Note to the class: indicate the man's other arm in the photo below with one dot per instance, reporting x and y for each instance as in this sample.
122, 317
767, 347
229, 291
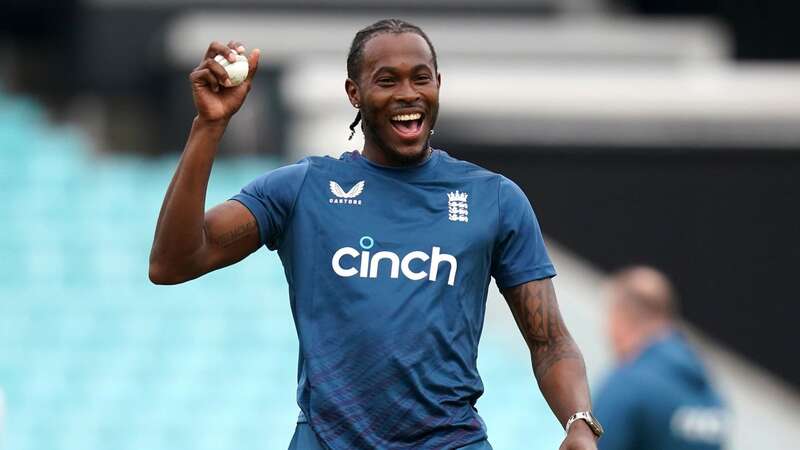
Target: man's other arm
188, 241
556, 359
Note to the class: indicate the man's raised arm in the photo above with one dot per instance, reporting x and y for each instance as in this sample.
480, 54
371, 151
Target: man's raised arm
190, 242
557, 361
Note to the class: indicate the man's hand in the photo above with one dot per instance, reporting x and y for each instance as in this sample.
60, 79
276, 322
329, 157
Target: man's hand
214, 101
580, 437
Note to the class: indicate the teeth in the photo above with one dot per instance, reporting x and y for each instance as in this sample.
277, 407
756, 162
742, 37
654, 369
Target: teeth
405, 117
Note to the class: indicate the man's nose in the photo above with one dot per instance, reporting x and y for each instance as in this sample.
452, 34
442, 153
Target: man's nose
406, 92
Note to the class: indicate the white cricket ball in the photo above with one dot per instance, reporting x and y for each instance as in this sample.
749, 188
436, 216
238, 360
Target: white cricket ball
237, 71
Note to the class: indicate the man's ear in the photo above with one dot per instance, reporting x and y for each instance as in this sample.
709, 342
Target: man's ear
438, 79
351, 88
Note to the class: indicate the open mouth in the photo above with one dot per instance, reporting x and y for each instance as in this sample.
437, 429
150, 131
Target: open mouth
408, 126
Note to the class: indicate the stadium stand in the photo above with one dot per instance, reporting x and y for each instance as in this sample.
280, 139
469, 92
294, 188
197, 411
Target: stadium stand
93, 356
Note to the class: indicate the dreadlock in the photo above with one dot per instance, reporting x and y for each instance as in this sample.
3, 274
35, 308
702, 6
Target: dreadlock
356, 56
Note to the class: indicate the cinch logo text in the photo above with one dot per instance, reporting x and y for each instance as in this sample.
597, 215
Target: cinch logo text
349, 262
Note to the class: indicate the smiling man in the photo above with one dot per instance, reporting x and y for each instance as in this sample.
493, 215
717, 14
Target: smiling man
388, 253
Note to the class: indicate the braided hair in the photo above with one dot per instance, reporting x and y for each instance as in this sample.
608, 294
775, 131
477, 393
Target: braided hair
356, 56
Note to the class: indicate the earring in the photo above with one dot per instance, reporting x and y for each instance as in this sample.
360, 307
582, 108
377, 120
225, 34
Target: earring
357, 106
433, 132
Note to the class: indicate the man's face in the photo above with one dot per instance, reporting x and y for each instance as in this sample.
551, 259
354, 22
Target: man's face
399, 93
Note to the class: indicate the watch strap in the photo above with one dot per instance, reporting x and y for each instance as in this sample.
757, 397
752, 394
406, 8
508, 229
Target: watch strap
590, 420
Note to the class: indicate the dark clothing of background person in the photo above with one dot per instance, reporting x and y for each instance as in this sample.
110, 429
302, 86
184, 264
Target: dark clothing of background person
661, 400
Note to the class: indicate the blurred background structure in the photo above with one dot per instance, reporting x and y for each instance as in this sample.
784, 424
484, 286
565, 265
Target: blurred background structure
644, 131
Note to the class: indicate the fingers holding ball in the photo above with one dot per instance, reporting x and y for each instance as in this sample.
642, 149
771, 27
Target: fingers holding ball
225, 65
236, 71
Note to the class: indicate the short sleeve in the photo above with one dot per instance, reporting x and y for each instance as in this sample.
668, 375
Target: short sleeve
271, 197
519, 253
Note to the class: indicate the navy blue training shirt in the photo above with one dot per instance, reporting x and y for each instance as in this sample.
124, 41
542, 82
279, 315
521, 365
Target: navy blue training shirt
388, 271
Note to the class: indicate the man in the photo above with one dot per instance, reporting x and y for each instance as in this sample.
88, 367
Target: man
388, 253
659, 398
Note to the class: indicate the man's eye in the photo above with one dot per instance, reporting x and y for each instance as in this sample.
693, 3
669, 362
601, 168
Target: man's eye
385, 81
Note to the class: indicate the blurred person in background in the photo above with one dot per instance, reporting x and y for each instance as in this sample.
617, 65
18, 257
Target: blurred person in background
388, 349
659, 397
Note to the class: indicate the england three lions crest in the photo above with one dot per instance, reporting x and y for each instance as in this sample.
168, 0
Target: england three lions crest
457, 208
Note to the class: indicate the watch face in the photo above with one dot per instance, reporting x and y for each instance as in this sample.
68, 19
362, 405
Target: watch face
594, 424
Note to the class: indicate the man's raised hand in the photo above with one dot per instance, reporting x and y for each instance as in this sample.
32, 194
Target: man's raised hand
215, 102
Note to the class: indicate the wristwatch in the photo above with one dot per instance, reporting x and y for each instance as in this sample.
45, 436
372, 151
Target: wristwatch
590, 420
